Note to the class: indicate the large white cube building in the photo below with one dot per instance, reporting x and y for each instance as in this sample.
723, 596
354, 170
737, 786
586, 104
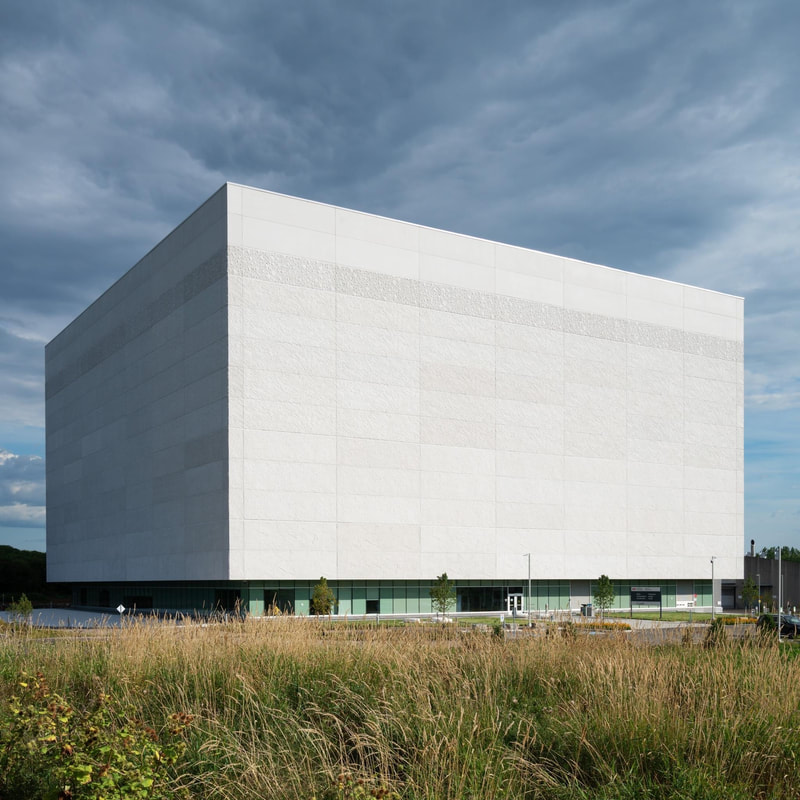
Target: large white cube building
283, 390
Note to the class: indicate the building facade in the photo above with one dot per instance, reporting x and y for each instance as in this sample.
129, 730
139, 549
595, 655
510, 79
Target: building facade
283, 390
775, 583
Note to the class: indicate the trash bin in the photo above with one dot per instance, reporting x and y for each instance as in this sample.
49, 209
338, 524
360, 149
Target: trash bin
586, 609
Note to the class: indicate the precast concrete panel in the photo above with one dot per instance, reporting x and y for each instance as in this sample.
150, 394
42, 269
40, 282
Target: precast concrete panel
481, 400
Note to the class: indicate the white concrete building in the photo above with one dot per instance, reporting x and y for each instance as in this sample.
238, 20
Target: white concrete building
282, 389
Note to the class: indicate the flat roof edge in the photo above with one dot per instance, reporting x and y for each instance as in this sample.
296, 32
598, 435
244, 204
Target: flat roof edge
482, 239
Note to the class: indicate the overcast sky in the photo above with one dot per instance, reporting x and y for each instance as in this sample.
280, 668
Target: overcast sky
661, 138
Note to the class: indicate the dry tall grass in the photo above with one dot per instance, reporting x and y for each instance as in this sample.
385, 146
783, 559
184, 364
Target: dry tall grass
283, 706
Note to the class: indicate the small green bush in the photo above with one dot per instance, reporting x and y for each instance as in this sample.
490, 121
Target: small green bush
350, 788
20, 610
716, 633
50, 750
323, 599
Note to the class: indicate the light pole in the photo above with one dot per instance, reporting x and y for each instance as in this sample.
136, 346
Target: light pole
529, 588
758, 578
780, 594
712, 587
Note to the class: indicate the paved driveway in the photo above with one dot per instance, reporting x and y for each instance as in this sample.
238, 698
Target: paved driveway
68, 618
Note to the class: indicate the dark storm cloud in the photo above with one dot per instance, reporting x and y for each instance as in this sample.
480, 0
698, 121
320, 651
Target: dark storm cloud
655, 137
22, 384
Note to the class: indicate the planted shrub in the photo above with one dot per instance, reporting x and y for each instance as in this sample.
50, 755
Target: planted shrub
49, 749
20, 610
716, 633
322, 599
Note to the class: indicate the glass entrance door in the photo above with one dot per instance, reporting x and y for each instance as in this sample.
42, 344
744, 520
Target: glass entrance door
514, 603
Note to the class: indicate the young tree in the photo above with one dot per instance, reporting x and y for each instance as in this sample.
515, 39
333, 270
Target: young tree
603, 594
443, 594
20, 610
749, 592
322, 599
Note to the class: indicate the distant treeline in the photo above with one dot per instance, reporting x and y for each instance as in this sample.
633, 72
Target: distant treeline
22, 570
25, 571
787, 553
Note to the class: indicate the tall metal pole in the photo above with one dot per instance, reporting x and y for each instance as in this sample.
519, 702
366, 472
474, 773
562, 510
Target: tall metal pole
758, 577
529, 588
780, 593
712, 587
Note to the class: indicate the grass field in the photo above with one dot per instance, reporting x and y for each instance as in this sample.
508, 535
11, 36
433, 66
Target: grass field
297, 708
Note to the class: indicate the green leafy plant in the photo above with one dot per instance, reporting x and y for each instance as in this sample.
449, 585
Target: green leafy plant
715, 633
322, 599
603, 594
49, 749
497, 629
20, 610
749, 592
350, 788
443, 594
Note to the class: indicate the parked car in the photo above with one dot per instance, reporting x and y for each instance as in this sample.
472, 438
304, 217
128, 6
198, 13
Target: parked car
790, 625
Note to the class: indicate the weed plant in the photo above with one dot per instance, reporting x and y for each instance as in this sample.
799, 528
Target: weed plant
283, 708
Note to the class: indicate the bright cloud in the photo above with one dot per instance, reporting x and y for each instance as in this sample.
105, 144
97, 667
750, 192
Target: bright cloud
22, 490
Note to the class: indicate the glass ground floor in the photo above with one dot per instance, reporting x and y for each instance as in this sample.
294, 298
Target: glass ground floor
362, 597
